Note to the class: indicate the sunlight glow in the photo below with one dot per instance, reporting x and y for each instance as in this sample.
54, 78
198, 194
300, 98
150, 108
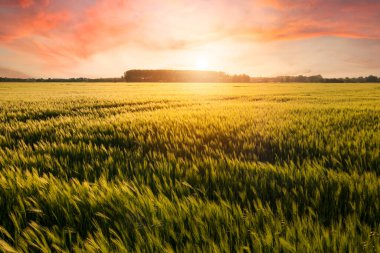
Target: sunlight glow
202, 63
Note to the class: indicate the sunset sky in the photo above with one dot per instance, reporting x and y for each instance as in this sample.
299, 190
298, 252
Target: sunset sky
103, 38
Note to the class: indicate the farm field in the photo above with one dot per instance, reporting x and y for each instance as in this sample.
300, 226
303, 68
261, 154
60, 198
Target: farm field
175, 167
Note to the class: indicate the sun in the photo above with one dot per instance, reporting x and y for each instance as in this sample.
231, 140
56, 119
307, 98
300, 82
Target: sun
201, 63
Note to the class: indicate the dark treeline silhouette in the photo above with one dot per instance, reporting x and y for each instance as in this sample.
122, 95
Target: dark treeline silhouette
199, 76
314, 79
182, 76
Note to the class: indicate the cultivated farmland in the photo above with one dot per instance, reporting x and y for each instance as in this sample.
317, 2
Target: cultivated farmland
173, 167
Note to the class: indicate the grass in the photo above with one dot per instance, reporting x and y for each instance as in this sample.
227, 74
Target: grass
111, 167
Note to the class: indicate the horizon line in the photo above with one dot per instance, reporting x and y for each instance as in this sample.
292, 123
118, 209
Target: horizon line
189, 70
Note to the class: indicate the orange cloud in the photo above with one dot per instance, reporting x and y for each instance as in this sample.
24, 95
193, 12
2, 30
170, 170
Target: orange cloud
65, 31
298, 19
6, 72
24, 18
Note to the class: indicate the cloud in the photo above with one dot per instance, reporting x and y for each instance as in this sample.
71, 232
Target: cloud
71, 30
6, 72
66, 32
24, 18
298, 19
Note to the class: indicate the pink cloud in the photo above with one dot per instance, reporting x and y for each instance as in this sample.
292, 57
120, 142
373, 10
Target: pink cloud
23, 3
105, 25
66, 31
298, 19
25, 18
6, 72
26, 3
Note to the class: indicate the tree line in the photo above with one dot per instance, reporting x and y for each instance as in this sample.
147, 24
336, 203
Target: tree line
199, 76
315, 79
182, 76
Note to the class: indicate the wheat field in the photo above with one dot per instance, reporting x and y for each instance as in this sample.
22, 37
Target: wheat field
175, 167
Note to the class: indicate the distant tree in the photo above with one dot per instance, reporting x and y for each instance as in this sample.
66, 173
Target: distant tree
372, 79
240, 78
315, 79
